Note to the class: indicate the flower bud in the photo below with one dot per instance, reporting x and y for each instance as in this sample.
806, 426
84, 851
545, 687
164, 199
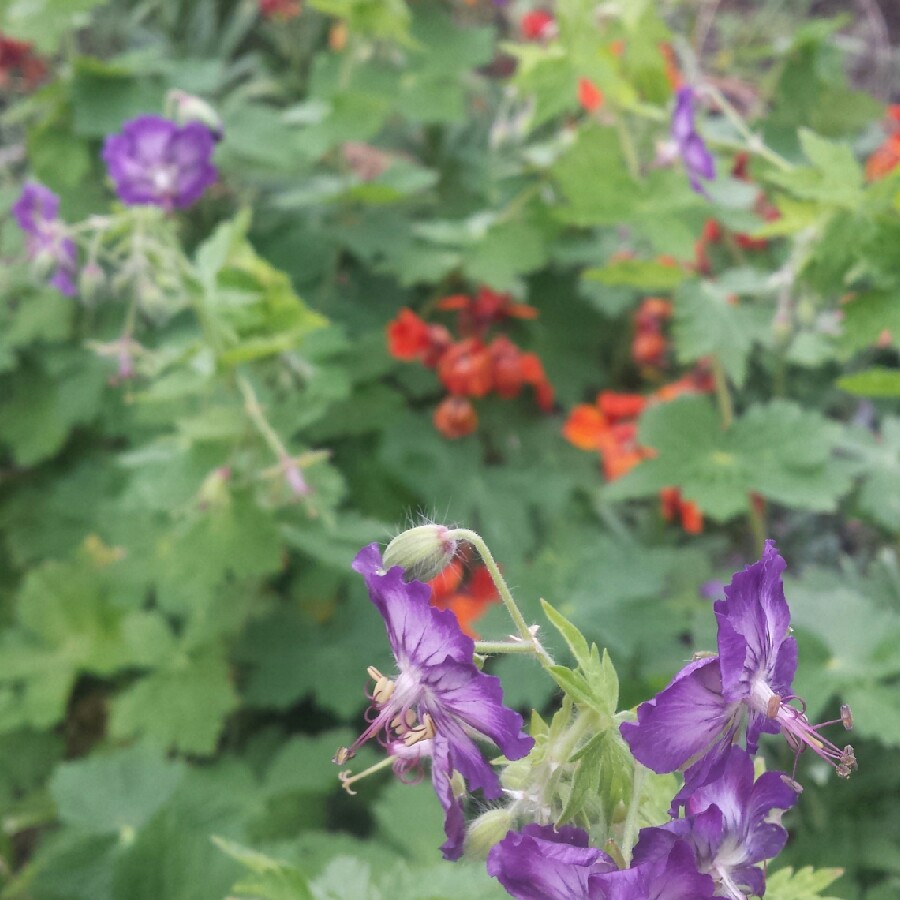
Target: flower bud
90, 281
186, 108
424, 551
486, 831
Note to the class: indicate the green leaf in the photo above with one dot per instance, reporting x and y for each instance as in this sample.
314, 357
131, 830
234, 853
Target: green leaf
879, 463
804, 884
42, 21
182, 706
708, 322
272, 879
778, 450
573, 637
40, 405
115, 792
866, 317
105, 95
834, 177
644, 275
877, 381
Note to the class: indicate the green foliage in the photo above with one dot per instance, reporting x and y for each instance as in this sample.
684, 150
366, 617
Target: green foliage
778, 451
182, 643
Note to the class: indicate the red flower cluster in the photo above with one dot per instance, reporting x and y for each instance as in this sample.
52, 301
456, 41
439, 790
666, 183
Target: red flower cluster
538, 25
610, 427
471, 366
279, 10
18, 60
466, 595
649, 347
886, 158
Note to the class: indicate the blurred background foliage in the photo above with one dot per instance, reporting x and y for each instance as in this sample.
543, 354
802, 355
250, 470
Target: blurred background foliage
183, 646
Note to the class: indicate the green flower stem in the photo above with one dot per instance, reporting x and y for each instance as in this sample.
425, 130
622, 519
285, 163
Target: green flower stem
626, 142
755, 144
629, 837
487, 648
757, 521
723, 396
255, 411
475, 540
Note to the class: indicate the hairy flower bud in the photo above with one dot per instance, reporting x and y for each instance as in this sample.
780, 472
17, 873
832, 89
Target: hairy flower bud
184, 107
91, 281
486, 831
423, 551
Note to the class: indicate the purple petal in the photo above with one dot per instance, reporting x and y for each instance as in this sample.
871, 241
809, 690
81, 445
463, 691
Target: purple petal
418, 632
36, 206
683, 721
155, 161
672, 877
683, 115
477, 699
756, 609
454, 820
539, 863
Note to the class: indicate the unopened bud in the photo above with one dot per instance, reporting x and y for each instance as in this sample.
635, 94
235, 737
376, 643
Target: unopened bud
214, 490
185, 107
90, 281
486, 831
424, 551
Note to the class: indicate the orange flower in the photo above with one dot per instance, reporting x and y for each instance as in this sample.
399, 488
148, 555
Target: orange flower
589, 95
885, 159
447, 580
469, 602
673, 75
408, 336
465, 368
455, 417
586, 427
616, 406
673, 505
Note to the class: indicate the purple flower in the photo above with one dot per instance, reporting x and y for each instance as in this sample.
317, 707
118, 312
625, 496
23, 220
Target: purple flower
540, 863
729, 825
438, 699
37, 214
694, 154
746, 688
155, 161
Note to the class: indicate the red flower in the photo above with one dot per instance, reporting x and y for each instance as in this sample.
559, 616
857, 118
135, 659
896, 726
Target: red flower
455, 417
538, 25
465, 368
408, 336
589, 95
19, 58
506, 361
280, 10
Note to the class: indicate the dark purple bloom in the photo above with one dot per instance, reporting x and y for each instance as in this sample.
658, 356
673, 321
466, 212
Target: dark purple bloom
37, 214
541, 863
438, 699
697, 159
728, 825
745, 689
157, 162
